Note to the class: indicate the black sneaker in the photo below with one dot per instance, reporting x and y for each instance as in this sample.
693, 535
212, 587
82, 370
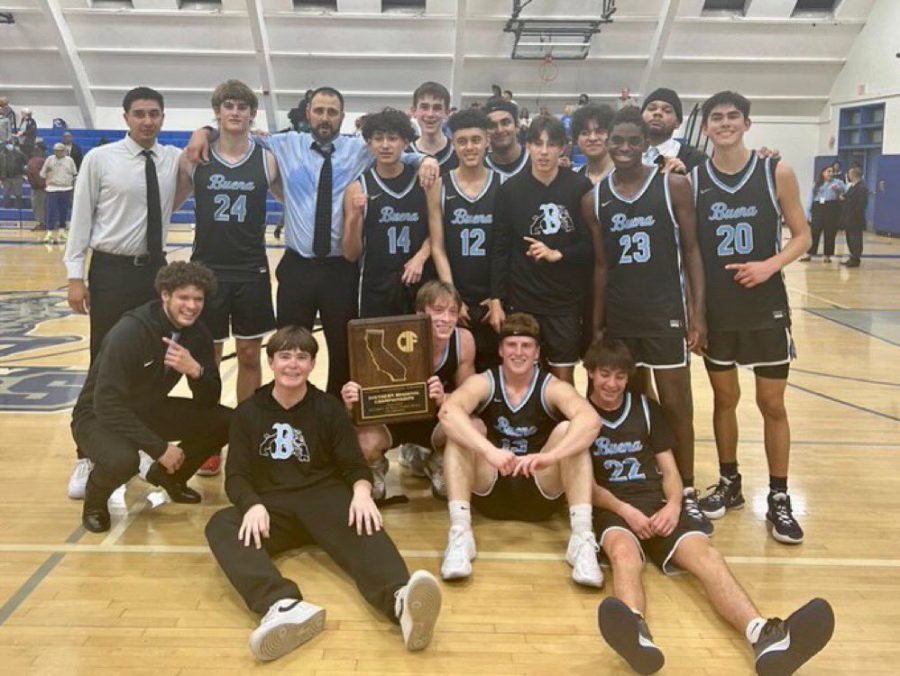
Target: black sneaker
786, 645
784, 526
724, 496
626, 632
690, 505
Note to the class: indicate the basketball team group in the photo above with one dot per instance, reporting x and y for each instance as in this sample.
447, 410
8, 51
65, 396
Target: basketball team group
525, 267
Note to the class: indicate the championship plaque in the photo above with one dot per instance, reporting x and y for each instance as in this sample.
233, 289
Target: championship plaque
390, 358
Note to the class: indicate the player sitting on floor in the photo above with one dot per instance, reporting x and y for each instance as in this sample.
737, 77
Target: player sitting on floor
534, 450
638, 493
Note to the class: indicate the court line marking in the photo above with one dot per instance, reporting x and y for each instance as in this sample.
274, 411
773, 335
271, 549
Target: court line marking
850, 326
848, 404
530, 557
38, 576
834, 304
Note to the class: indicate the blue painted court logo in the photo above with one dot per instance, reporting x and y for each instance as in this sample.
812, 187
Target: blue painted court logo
34, 388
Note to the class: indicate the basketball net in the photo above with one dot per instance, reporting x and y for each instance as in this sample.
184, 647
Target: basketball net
548, 70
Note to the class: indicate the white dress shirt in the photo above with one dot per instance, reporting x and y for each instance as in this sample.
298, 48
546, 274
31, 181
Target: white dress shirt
109, 213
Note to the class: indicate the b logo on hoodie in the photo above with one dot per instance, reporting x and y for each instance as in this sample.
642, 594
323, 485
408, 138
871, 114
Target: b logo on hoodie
283, 442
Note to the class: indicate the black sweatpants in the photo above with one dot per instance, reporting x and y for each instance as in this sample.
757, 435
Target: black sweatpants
315, 515
825, 219
202, 430
328, 286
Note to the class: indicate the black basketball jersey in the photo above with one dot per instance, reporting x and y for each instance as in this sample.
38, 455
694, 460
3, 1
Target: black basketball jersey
446, 370
230, 210
624, 453
525, 428
394, 227
739, 220
468, 235
645, 283
446, 156
510, 169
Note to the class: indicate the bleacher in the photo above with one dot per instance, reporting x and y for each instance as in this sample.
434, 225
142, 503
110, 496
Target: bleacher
88, 139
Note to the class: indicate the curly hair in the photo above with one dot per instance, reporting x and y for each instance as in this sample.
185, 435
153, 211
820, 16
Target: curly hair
388, 121
181, 274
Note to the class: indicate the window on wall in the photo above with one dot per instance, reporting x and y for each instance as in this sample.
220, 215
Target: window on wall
814, 7
112, 4
387, 5
316, 4
200, 4
861, 127
714, 7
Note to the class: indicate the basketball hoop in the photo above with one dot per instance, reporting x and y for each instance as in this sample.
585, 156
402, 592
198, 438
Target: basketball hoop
548, 70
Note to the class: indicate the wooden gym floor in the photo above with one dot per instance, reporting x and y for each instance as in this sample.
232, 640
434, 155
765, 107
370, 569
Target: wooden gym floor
147, 597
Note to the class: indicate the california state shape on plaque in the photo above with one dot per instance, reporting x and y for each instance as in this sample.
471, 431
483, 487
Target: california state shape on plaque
390, 358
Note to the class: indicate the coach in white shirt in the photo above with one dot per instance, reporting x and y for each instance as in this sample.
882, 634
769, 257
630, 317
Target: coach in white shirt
124, 199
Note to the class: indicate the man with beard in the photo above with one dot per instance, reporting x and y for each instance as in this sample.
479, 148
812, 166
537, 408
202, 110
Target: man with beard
663, 114
507, 157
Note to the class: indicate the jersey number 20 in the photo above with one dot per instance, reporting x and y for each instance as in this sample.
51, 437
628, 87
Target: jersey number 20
735, 238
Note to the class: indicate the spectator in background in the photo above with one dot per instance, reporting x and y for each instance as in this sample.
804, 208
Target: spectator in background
5, 130
524, 123
824, 213
496, 92
38, 186
8, 114
853, 216
27, 133
59, 171
583, 100
508, 96
12, 168
73, 150
838, 172
625, 99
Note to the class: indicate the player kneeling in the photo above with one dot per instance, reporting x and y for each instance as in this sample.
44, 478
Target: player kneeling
535, 450
296, 477
638, 489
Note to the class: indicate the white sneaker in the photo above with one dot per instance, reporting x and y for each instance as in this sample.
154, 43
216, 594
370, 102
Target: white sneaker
288, 624
457, 563
379, 477
434, 470
581, 554
417, 606
78, 479
412, 458
117, 499
144, 465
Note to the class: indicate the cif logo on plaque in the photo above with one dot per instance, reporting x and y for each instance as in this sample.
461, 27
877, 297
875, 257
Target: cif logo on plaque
390, 359
406, 341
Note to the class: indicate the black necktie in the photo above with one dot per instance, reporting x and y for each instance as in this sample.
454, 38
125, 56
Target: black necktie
322, 235
154, 210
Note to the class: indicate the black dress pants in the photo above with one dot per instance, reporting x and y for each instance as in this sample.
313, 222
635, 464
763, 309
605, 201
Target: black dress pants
825, 220
202, 430
314, 515
855, 244
328, 286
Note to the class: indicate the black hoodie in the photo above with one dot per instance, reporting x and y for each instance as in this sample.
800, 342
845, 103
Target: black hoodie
272, 449
128, 375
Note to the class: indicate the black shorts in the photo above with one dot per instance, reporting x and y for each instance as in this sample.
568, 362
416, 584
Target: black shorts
658, 352
486, 339
560, 338
246, 306
385, 298
517, 498
767, 351
659, 550
416, 432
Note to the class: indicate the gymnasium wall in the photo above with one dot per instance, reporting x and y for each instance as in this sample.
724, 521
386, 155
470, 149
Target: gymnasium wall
870, 75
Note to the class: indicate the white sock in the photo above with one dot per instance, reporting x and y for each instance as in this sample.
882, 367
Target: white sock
460, 514
754, 629
581, 519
